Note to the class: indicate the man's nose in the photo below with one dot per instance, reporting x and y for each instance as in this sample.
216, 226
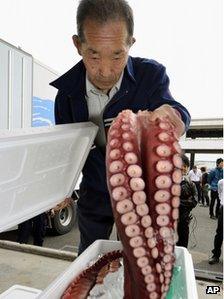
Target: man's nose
105, 68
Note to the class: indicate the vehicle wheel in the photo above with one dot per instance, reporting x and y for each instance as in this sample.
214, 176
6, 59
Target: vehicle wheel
64, 220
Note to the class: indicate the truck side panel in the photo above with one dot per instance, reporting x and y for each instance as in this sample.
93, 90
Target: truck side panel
15, 87
43, 95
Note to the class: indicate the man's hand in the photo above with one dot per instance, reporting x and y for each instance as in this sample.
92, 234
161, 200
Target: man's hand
167, 113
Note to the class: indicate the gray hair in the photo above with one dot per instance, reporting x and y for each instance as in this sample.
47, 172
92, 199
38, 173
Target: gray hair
102, 11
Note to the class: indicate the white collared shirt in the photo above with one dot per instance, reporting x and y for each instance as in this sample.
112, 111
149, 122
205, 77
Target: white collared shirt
195, 177
96, 102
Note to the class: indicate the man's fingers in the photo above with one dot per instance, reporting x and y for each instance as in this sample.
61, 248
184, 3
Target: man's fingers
167, 113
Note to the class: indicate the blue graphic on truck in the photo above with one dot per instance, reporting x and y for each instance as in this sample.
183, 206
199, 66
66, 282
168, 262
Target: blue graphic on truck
42, 112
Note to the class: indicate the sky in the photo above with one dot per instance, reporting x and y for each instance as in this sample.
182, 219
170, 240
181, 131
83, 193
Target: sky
183, 35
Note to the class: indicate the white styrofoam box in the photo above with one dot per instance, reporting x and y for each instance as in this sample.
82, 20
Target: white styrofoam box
58, 286
20, 292
39, 168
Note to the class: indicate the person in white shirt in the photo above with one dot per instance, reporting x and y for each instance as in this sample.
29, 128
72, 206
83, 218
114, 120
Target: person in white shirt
219, 231
195, 176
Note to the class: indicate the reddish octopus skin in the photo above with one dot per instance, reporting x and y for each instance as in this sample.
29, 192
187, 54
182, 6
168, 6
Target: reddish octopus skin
152, 242
152, 172
85, 281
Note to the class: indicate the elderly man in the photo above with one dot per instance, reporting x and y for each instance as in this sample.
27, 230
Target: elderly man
106, 81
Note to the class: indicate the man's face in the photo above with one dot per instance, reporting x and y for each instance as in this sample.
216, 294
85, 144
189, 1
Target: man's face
184, 169
104, 51
220, 165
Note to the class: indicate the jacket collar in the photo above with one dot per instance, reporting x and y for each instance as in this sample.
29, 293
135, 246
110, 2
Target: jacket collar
71, 81
130, 69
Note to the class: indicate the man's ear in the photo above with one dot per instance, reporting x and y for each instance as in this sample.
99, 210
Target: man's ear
133, 40
77, 43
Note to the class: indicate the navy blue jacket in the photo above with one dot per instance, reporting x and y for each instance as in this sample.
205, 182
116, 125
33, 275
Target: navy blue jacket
145, 85
214, 176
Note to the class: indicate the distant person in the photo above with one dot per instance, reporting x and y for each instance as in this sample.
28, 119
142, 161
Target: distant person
219, 231
204, 187
214, 176
195, 177
37, 226
188, 201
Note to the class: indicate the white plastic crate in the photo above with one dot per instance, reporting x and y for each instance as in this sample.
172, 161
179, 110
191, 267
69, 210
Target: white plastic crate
57, 287
20, 292
39, 168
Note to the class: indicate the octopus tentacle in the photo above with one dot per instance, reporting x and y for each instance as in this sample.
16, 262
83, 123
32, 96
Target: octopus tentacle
143, 175
145, 201
84, 282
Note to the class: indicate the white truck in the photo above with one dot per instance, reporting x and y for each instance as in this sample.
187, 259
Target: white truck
27, 99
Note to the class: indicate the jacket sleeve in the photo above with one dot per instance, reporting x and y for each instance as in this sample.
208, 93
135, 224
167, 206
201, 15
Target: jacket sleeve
161, 95
62, 109
194, 191
210, 176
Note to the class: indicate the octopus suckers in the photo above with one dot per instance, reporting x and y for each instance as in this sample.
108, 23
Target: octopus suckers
144, 176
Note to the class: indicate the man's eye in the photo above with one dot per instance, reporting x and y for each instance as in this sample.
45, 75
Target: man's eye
116, 58
94, 57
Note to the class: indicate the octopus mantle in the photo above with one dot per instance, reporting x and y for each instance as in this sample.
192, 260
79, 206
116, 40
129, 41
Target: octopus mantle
143, 175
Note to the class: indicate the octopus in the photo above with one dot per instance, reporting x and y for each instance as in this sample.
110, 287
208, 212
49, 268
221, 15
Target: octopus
143, 161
